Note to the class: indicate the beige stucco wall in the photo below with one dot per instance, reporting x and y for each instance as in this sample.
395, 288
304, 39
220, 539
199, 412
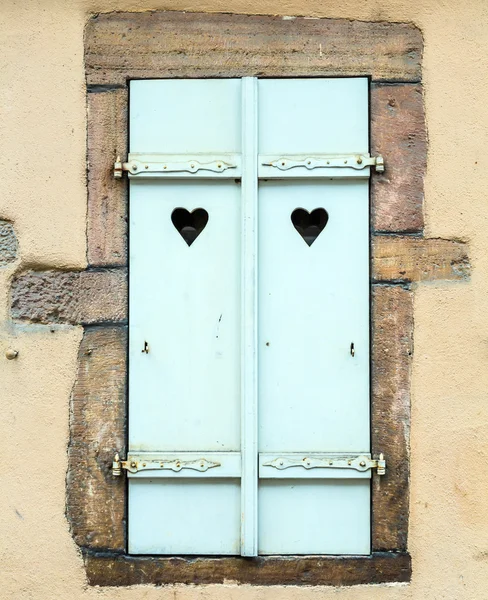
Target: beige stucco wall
42, 150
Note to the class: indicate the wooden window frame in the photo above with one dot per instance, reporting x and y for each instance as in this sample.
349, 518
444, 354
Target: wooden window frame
123, 46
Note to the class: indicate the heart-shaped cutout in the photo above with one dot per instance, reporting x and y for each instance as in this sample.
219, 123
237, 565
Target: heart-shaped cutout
189, 224
309, 224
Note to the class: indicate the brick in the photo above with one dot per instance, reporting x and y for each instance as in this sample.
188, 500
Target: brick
70, 296
103, 569
107, 196
122, 46
408, 259
398, 133
8, 243
95, 500
392, 348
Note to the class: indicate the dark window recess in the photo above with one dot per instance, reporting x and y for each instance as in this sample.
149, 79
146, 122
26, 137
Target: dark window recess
309, 224
189, 224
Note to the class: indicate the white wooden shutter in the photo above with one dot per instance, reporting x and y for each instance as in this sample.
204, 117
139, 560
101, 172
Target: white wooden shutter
313, 304
249, 333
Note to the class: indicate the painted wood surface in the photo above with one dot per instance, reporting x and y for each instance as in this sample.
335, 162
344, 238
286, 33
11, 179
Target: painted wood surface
252, 324
185, 323
313, 317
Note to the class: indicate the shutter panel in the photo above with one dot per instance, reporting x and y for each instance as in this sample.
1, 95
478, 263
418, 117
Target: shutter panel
313, 304
248, 317
184, 394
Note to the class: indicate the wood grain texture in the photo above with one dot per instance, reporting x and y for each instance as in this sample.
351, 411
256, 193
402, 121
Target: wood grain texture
95, 500
76, 297
106, 569
392, 349
398, 133
406, 259
122, 46
107, 196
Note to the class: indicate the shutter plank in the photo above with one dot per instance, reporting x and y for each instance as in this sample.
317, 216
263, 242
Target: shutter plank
184, 321
313, 311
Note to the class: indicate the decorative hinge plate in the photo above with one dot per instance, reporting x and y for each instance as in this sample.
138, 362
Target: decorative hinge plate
140, 165
355, 161
361, 463
147, 165
135, 464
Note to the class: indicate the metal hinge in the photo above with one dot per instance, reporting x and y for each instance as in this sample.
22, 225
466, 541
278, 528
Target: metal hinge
140, 165
146, 164
135, 464
358, 463
353, 161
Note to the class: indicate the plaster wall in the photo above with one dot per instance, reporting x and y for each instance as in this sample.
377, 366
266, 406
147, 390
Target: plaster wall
42, 149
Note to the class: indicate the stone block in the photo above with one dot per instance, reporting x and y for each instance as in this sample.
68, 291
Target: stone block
107, 196
122, 46
75, 297
95, 499
398, 133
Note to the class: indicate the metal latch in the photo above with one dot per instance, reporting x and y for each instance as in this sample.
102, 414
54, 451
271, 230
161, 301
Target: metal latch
354, 161
358, 463
135, 464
